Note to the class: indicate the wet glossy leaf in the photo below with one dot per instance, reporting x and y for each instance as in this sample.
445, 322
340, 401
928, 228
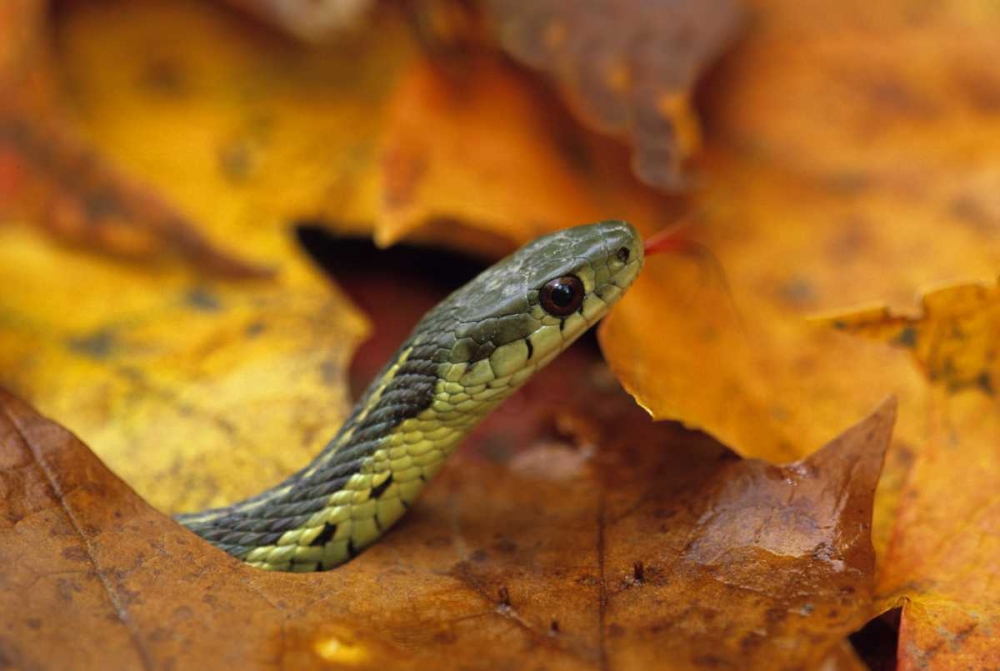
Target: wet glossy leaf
850, 157
798, 234
838, 189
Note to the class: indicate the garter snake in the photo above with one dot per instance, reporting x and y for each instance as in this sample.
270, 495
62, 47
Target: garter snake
463, 358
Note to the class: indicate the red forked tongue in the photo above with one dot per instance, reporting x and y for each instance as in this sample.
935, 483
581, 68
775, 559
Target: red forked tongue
669, 239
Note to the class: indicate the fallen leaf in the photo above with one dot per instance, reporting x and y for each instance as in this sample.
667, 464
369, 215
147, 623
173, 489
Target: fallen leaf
534, 171
852, 157
941, 562
626, 68
954, 338
309, 20
393, 162
655, 562
50, 178
245, 130
221, 386
799, 234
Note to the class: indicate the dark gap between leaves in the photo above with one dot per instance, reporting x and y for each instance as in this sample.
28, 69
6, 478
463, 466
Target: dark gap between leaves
877, 642
394, 287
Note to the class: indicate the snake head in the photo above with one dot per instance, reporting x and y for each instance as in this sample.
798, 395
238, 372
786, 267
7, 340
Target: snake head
520, 313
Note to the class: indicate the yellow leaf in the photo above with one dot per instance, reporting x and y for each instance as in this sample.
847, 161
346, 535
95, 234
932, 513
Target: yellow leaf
954, 339
215, 387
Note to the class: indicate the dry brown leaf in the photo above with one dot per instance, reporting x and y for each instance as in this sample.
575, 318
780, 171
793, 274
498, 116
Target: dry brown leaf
666, 543
626, 67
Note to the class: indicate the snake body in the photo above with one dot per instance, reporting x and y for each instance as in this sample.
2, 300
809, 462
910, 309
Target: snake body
463, 358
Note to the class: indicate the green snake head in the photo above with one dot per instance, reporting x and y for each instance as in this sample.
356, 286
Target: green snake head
463, 359
518, 314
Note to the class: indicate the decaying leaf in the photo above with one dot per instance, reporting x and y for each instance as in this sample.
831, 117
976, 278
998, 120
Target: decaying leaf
243, 129
799, 234
942, 558
851, 156
838, 189
52, 179
626, 67
666, 541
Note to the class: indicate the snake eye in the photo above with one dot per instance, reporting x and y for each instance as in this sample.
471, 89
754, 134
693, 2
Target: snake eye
623, 254
562, 296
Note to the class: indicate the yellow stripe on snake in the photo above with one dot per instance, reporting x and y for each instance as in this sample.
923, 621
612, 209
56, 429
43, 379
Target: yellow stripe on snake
464, 357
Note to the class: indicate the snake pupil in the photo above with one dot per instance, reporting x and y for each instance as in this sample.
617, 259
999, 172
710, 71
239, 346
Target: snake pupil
562, 296
623, 254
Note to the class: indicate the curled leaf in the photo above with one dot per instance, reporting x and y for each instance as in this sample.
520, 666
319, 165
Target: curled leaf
627, 67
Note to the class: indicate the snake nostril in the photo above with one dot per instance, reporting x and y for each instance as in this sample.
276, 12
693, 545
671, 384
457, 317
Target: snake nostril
623, 254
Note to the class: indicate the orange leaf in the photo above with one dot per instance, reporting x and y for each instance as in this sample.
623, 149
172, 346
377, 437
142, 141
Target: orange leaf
942, 557
495, 151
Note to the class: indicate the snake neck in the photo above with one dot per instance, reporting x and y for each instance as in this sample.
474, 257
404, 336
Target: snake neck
465, 357
395, 440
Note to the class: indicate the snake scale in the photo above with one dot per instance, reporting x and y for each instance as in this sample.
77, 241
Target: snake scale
463, 358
